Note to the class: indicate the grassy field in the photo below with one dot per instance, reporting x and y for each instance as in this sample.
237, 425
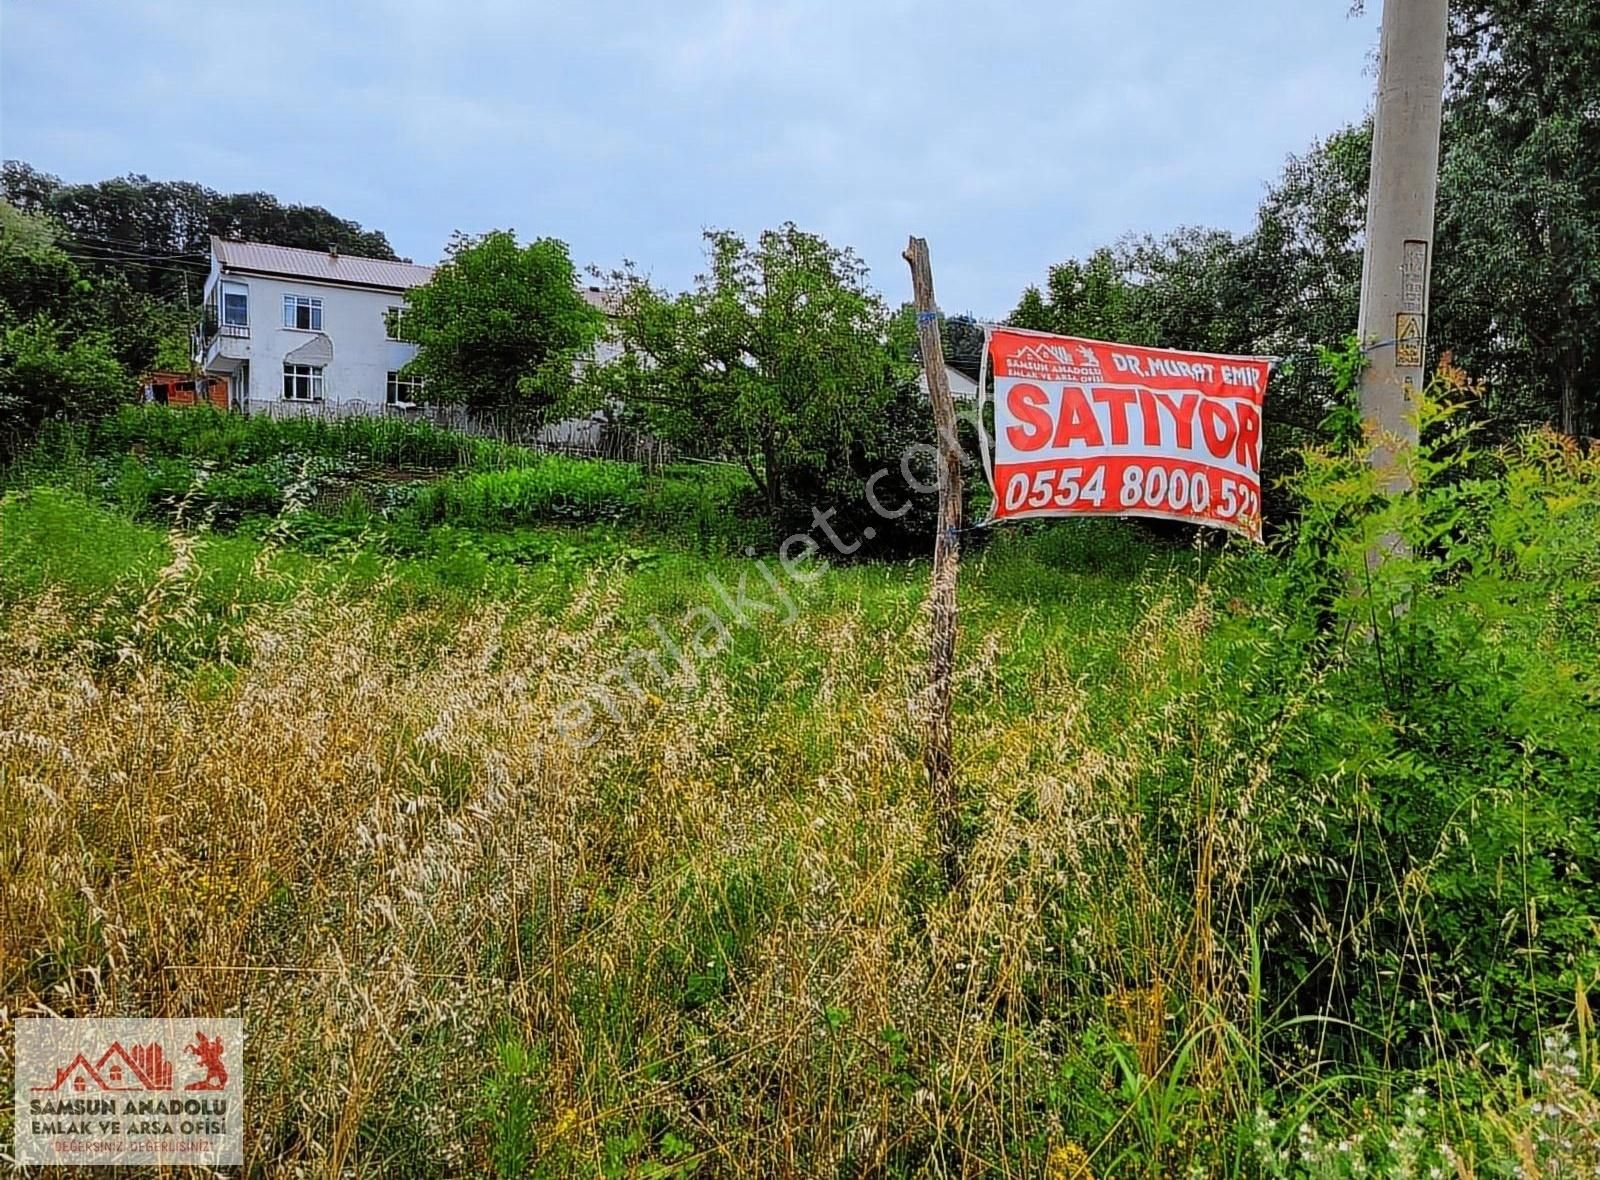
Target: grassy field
1264, 876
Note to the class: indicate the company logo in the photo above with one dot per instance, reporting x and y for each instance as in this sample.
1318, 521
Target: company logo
1051, 361
209, 1054
129, 1092
143, 1067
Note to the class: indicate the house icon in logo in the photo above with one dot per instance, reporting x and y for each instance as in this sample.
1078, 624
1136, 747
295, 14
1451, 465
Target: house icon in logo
1052, 361
143, 1067
1044, 354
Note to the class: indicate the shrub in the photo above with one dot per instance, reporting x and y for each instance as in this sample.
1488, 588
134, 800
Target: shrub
552, 489
45, 376
716, 507
230, 497
204, 432
149, 489
1456, 782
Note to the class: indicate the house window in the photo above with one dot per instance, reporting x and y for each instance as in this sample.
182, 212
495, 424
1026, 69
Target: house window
391, 322
302, 383
302, 311
403, 391
235, 305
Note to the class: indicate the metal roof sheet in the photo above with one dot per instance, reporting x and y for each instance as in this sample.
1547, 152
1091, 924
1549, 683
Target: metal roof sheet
596, 297
321, 265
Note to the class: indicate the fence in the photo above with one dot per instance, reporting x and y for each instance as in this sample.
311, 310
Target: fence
591, 438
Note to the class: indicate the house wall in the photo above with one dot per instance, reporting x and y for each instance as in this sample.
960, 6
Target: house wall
352, 346
183, 389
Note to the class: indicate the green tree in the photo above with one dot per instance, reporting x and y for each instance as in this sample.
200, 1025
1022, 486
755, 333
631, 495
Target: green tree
1090, 299
39, 278
1300, 273
1031, 312
779, 358
140, 326
47, 373
962, 336
1186, 290
156, 234
36, 276
1517, 273
501, 325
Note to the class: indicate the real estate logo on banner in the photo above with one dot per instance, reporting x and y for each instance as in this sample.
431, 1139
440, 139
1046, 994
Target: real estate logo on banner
1083, 427
133, 1092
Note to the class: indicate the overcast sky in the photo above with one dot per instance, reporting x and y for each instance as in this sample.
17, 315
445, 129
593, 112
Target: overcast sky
625, 128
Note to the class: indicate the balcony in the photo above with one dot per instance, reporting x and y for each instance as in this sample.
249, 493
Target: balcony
215, 342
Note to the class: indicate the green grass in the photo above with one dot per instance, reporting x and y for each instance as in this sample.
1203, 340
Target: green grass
62, 542
204, 468
207, 434
1271, 867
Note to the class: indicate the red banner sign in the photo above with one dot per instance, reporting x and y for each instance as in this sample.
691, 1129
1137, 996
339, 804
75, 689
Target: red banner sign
1083, 427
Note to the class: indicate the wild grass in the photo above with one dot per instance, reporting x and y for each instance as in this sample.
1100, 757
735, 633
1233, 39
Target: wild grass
203, 433
201, 468
1233, 868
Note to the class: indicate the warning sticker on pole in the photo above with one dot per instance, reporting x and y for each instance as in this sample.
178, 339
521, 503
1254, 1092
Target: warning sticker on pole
1408, 340
1087, 428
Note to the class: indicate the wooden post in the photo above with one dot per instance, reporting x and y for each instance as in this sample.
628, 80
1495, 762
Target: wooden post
937, 755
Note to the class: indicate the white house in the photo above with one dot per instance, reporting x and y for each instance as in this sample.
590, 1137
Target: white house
962, 387
295, 329
292, 330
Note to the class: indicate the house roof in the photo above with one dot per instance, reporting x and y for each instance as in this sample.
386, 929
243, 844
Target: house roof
962, 387
66, 1071
599, 299
324, 267
320, 265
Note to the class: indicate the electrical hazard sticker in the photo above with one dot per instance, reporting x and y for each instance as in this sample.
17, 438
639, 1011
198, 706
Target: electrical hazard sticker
1408, 340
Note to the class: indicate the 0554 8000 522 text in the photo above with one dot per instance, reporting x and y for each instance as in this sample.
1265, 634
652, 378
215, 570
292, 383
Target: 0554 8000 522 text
1114, 485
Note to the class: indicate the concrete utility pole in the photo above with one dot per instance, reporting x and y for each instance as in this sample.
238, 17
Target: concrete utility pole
1400, 200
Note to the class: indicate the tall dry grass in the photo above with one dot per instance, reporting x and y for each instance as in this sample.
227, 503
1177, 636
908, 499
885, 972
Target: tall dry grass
714, 943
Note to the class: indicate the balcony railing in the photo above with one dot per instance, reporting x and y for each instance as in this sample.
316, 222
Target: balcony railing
209, 331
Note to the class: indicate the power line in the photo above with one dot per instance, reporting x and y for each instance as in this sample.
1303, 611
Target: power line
131, 248
100, 237
108, 253
159, 264
155, 266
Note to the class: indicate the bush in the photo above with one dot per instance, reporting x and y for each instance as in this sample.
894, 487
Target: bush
198, 493
1456, 782
899, 443
150, 489
231, 497
552, 489
204, 432
714, 506
44, 376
